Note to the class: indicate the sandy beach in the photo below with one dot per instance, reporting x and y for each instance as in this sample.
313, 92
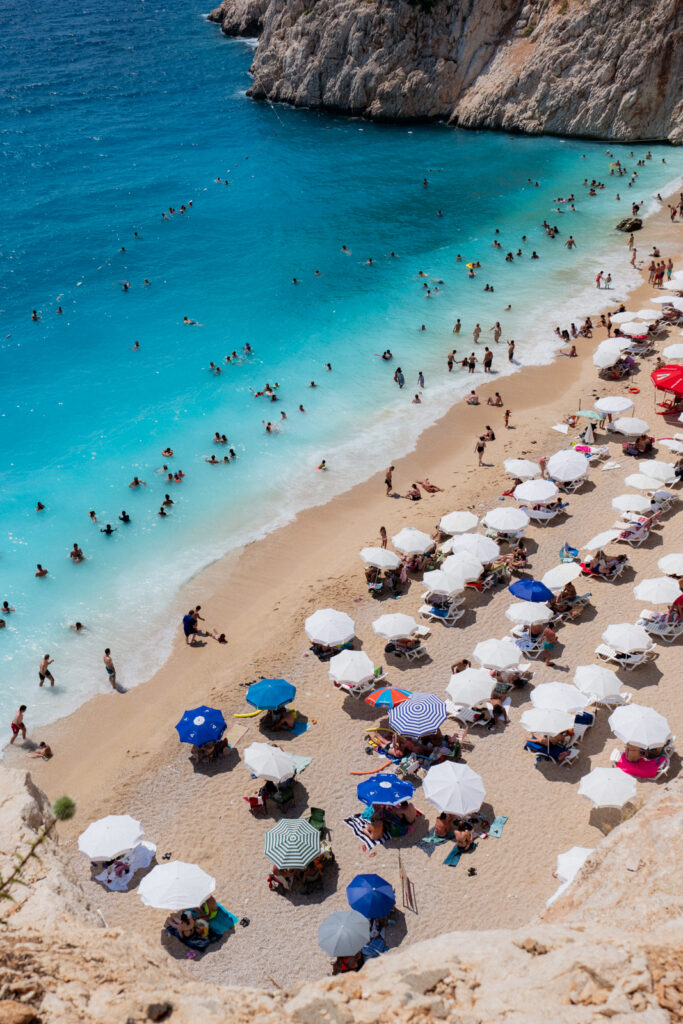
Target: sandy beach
120, 753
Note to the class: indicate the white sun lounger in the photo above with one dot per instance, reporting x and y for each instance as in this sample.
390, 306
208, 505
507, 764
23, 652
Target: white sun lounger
661, 629
453, 614
625, 661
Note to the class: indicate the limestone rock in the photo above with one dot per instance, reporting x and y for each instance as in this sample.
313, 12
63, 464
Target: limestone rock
570, 67
629, 224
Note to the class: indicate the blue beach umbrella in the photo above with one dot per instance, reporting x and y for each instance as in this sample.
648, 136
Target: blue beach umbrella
371, 896
422, 715
269, 694
384, 789
531, 590
201, 726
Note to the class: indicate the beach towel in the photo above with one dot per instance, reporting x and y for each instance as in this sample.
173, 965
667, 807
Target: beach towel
301, 763
454, 856
299, 727
235, 734
496, 826
375, 947
355, 823
430, 842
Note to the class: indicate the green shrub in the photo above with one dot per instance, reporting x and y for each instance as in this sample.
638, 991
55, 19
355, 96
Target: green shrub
64, 808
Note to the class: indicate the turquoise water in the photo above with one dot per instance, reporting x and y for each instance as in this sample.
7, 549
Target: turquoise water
114, 113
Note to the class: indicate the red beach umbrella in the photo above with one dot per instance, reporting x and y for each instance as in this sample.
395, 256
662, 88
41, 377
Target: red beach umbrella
388, 697
668, 378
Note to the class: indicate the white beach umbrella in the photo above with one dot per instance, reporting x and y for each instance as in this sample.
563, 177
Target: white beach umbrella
642, 482
673, 286
463, 566
380, 558
439, 582
522, 469
607, 787
546, 721
483, 548
410, 541
271, 763
395, 626
470, 686
597, 681
672, 444
622, 318
176, 886
343, 933
109, 837
497, 654
601, 539
329, 627
506, 520
645, 314
559, 697
674, 351
567, 465
665, 472
627, 638
661, 590
351, 667
557, 577
630, 425
662, 300
607, 353
631, 503
529, 613
454, 788
634, 329
571, 861
640, 725
458, 522
536, 492
614, 404
671, 564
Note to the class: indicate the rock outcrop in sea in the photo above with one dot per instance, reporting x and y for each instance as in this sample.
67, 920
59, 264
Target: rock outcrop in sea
569, 67
609, 949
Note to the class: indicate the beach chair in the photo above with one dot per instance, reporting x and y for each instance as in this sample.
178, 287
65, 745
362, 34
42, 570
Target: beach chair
567, 553
357, 690
610, 703
634, 535
570, 486
449, 616
530, 646
582, 723
611, 576
576, 606
545, 516
462, 713
317, 819
664, 500
416, 653
625, 661
375, 589
284, 798
257, 804
660, 629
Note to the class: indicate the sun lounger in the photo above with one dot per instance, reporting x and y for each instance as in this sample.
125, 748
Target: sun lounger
664, 500
449, 616
582, 723
543, 754
544, 516
625, 661
462, 713
357, 690
571, 486
634, 534
611, 576
530, 646
611, 702
661, 629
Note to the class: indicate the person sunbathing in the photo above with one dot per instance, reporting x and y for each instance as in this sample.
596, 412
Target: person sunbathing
460, 666
344, 964
184, 923
429, 487
463, 835
407, 643
562, 601
281, 719
556, 747
407, 812
443, 826
374, 828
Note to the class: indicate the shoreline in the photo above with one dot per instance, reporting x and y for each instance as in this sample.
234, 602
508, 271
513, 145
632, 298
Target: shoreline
120, 753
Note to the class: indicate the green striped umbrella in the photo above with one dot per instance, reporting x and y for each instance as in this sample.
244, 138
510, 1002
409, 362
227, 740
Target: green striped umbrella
293, 843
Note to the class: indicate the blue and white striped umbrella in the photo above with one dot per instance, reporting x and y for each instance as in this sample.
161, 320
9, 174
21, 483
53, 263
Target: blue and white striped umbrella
422, 715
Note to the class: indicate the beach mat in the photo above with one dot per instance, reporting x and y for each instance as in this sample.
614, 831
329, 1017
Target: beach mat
430, 842
355, 823
299, 727
453, 858
496, 826
235, 734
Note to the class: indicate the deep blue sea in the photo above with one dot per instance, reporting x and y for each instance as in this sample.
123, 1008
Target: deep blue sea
110, 114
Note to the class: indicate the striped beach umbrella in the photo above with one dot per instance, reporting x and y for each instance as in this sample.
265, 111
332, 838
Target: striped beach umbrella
293, 843
387, 697
422, 715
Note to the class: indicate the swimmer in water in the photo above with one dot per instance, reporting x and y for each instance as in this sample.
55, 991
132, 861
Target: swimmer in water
168, 500
76, 553
162, 512
135, 347
323, 465
40, 507
77, 627
301, 409
124, 517
40, 572
313, 384
136, 482
109, 529
35, 315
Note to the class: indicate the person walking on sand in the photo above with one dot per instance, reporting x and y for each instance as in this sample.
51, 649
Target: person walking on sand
17, 724
634, 253
189, 626
110, 667
388, 476
549, 637
480, 448
506, 419
44, 670
383, 536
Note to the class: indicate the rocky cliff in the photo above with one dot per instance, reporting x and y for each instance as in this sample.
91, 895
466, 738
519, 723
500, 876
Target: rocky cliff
571, 67
610, 949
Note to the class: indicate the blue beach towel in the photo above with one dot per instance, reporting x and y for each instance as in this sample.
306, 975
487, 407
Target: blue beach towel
299, 727
497, 826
